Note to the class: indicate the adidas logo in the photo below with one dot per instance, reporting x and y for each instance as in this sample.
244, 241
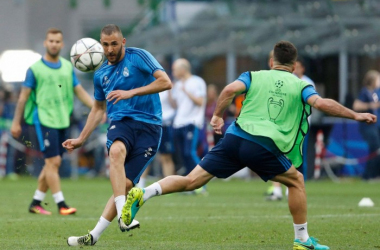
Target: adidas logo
301, 229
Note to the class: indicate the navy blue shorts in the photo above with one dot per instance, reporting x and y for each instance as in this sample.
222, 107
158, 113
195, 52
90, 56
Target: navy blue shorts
232, 153
141, 140
167, 142
50, 140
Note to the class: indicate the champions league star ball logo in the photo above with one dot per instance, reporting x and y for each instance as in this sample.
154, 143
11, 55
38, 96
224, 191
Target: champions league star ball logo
279, 84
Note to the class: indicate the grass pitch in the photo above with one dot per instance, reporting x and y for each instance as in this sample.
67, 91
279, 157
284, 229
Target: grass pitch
233, 216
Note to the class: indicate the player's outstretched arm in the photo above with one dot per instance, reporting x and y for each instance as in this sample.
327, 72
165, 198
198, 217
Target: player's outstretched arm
333, 108
224, 100
83, 96
161, 83
16, 123
93, 120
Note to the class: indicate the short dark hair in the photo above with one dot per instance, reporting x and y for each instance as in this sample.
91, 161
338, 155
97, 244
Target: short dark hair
285, 53
109, 29
53, 31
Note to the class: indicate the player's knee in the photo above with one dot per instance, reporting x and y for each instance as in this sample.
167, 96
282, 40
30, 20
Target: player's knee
298, 180
53, 163
117, 151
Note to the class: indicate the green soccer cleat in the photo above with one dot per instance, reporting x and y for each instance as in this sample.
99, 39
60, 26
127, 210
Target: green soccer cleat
132, 205
311, 243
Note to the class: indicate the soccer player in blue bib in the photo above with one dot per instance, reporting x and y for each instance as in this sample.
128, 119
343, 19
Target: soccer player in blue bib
127, 85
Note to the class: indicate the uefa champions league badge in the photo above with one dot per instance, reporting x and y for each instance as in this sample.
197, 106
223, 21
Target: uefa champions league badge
125, 72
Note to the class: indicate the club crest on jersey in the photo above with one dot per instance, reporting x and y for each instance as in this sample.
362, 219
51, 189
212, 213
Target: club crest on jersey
106, 80
125, 72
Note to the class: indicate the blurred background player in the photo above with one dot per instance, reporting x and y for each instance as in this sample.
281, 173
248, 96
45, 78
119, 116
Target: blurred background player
189, 100
47, 98
126, 85
368, 101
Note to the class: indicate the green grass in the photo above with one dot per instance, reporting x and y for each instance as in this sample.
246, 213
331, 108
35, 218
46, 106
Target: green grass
233, 216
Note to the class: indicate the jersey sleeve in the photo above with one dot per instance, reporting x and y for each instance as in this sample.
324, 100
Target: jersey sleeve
144, 61
75, 80
98, 90
308, 92
30, 80
246, 79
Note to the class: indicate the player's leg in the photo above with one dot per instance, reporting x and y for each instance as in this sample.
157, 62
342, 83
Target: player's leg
51, 172
117, 156
171, 184
270, 164
39, 195
297, 195
294, 180
218, 162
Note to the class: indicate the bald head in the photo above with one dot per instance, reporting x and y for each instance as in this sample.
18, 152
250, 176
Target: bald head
181, 68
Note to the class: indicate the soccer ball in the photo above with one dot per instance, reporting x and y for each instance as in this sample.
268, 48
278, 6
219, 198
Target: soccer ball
87, 54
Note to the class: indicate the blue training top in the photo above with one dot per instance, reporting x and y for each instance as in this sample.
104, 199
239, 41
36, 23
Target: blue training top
30, 80
135, 70
236, 130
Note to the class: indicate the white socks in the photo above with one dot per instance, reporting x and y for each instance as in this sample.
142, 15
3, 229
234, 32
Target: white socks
119, 203
152, 190
39, 195
300, 232
99, 228
58, 197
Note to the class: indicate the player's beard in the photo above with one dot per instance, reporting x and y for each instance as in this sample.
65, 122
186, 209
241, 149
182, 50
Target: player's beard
53, 55
117, 56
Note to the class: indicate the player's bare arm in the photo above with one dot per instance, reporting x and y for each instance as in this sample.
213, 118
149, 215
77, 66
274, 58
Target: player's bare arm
161, 83
93, 120
83, 96
224, 100
16, 123
333, 108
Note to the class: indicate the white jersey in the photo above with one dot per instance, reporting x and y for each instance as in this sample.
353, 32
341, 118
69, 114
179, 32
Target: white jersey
187, 111
168, 111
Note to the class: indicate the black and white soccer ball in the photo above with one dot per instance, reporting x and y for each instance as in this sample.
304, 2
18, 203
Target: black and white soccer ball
87, 55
